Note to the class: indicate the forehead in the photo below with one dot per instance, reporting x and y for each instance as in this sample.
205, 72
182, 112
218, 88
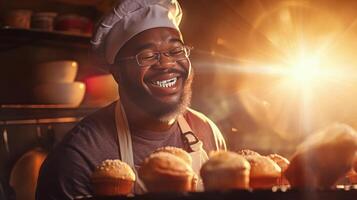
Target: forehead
156, 34
154, 37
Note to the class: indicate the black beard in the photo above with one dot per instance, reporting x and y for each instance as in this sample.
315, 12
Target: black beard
156, 109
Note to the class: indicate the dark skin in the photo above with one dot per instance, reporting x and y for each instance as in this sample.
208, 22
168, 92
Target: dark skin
143, 100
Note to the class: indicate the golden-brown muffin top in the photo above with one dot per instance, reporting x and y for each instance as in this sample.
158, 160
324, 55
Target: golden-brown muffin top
161, 164
323, 157
280, 160
263, 167
177, 152
225, 160
114, 169
333, 135
247, 152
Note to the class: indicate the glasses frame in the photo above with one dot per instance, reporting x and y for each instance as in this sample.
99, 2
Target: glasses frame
187, 48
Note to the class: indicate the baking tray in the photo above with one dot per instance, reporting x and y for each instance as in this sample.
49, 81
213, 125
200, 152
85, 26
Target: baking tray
344, 193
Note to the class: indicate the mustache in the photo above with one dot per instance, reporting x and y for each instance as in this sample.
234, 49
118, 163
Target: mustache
173, 70
177, 71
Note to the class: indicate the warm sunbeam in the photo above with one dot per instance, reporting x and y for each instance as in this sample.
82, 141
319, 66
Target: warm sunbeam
305, 71
308, 48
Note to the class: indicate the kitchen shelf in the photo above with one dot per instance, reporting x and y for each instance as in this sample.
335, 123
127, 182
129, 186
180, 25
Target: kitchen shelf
11, 38
9, 114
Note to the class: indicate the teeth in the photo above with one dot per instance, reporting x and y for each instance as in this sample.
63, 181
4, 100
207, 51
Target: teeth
166, 83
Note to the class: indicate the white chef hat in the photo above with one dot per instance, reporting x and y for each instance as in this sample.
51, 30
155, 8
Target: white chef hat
129, 18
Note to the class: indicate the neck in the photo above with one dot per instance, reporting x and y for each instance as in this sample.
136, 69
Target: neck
139, 119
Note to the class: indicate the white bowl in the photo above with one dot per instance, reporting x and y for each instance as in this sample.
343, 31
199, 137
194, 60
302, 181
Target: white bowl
101, 90
70, 94
62, 71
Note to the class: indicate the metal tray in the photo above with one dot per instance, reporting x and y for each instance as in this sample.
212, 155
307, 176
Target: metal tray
344, 193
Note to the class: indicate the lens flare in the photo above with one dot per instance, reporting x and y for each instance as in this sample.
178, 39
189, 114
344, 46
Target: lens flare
307, 49
305, 70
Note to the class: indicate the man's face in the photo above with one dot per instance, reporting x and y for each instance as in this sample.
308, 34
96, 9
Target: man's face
163, 89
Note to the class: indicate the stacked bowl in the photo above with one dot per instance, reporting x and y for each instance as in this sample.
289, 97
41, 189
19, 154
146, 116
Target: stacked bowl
55, 83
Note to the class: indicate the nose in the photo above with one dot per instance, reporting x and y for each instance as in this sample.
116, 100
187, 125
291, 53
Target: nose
165, 61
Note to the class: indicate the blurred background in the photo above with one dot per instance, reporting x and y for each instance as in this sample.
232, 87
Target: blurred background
268, 72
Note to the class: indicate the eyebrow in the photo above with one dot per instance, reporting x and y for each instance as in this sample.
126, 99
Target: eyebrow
151, 45
176, 40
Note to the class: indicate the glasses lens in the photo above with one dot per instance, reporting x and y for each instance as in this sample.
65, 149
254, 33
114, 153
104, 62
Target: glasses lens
179, 53
151, 58
147, 58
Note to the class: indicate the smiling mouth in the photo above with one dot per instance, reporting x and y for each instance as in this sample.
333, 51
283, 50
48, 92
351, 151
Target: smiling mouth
165, 83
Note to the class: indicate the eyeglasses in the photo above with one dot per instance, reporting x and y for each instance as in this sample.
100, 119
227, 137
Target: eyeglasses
148, 58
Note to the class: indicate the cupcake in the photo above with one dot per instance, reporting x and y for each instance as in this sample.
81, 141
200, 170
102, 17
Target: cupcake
112, 178
283, 164
165, 172
224, 171
264, 172
323, 158
177, 152
248, 152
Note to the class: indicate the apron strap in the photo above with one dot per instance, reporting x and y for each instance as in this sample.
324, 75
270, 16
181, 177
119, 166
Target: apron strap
124, 136
198, 154
126, 145
189, 138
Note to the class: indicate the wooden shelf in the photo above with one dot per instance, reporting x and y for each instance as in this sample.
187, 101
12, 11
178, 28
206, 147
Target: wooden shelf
15, 37
80, 2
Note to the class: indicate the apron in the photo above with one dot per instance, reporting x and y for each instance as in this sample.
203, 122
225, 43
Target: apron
198, 154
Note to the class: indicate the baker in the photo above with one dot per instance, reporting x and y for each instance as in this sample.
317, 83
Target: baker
144, 50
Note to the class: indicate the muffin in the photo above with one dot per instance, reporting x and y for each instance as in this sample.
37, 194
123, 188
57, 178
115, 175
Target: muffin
177, 152
113, 177
283, 164
224, 171
248, 152
165, 172
323, 158
264, 172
